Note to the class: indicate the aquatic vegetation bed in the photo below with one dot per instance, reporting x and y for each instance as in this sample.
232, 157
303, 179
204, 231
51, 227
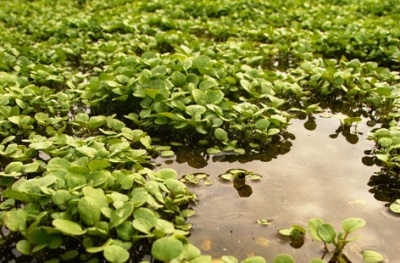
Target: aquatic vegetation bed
92, 91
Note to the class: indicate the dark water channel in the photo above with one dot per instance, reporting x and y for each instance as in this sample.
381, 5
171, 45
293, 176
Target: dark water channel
322, 175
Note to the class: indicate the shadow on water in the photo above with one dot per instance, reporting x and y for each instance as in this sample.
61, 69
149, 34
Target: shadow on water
385, 185
197, 157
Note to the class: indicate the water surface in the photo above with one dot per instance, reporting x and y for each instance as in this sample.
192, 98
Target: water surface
321, 176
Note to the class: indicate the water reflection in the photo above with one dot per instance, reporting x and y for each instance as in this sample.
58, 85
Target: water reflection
197, 157
348, 131
243, 189
385, 185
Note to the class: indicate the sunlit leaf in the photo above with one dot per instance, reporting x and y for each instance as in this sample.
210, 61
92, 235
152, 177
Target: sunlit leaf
371, 256
116, 254
313, 225
352, 224
283, 259
166, 248
326, 232
68, 227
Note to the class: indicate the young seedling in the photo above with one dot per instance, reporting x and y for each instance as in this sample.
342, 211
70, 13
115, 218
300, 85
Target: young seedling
296, 234
321, 231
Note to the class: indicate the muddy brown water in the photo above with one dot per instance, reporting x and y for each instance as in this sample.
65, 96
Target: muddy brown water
321, 176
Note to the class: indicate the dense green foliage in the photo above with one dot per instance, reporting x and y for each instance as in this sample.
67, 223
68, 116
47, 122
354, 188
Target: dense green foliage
91, 90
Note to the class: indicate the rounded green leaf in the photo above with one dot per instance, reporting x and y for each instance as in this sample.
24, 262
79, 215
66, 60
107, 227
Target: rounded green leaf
256, 259
178, 79
142, 225
327, 233
371, 256
352, 224
214, 96
285, 231
229, 259
194, 110
190, 251
13, 167
166, 248
227, 176
24, 247
116, 254
89, 210
167, 153
221, 134
395, 208
176, 187
262, 124
121, 214
283, 259
167, 173
68, 227
37, 235
313, 225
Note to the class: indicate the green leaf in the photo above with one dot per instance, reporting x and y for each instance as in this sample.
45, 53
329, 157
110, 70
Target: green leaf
195, 110
317, 260
229, 259
69, 255
178, 79
37, 236
313, 225
262, 124
167, 153
285, 231
88, 151
89, 210
42, 118
208, 84
256, 259
91, 249
116, 254
227, 176
199, 96
283, 259
24, 247
202, 259
214, 96
221, 134
68, 227
15, 220
121, 214
142, 225
395, 207
32, 167
201, 61
190, 251
352, 224
98, 164
371, 256
167, 173
176, 187
327, 233
166, 248
165, 226
13, 167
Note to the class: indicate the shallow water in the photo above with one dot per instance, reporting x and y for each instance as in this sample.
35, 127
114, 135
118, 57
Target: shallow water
321, 176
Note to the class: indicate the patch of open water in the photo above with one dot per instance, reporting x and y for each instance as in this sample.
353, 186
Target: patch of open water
321, 176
